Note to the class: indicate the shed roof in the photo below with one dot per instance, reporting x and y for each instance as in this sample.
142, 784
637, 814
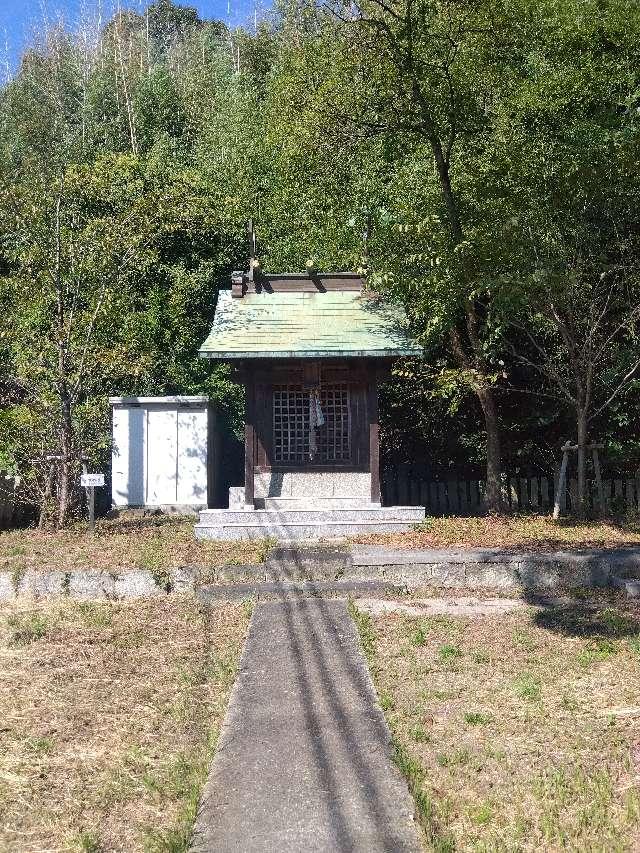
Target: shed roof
300, 324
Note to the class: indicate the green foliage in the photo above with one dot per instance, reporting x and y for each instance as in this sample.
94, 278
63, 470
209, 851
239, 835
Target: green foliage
128, 173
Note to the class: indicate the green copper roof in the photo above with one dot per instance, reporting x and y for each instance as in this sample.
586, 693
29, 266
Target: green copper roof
306, 325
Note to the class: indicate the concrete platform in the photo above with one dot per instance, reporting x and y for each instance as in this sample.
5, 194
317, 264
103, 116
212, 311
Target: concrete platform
309, 523
304, 762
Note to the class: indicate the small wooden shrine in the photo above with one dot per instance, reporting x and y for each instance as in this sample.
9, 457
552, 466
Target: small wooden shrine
311, 349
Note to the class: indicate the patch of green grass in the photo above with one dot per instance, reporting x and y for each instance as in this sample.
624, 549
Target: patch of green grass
174, 779
431, 822
418, 637
593, 791
26, 628
153, 558
618, 624
457, 757
634, 644
430, 819
386, 701
475, 718
248, 605
119, 785
494, 799
581, 593
364, 624
482, 815
87, 841
16, 551
420, 735
599, 649
222, 668
93, 614
528, 687
151, 555
523, 639
39, 745
18, 571
185, 777
448, 652
264, 548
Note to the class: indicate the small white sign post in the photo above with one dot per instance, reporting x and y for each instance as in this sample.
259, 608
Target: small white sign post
90, 482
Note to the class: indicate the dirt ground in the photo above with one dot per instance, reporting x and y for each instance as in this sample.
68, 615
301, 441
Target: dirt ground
513, 533
518, 731
155, 543
109, 714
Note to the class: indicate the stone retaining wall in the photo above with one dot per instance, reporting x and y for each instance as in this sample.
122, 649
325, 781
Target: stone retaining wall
494, 569
81, 583
463, 569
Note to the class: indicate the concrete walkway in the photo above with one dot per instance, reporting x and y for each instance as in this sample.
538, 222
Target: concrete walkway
303, 761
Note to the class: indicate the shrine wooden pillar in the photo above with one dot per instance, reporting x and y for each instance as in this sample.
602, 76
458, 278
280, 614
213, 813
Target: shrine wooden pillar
374, 437
249, 437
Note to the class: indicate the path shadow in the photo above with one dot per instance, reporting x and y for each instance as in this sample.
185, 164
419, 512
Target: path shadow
597, 616
313, 617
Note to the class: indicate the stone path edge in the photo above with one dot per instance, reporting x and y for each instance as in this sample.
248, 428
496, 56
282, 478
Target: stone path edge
404, 807
224, 737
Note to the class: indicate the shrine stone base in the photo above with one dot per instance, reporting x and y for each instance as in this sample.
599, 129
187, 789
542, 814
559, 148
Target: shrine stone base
313, 484
316, 520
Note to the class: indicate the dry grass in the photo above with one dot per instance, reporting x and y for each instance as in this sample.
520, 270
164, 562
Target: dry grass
154, 543
530, 532
108, 716
518, 732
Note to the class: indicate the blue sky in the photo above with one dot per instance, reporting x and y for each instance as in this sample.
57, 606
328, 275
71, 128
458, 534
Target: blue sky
20, 18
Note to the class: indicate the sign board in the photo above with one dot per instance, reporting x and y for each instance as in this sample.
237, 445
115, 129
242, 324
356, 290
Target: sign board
89, 480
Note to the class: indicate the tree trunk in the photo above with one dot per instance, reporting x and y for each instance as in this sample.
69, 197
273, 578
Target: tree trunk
66, 468
493, 499
484, 393
46, 500
583, 437
474, 361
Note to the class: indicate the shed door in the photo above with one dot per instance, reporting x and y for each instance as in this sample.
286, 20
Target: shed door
162, 456
192, 456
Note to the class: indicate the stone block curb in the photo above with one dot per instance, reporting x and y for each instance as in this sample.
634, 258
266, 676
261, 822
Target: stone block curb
329, 564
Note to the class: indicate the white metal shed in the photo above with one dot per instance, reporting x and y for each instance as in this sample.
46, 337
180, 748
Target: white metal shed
161, 452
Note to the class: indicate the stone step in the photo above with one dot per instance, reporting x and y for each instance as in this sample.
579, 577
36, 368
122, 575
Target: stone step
309, 515
299, 589
309, 561
298, 531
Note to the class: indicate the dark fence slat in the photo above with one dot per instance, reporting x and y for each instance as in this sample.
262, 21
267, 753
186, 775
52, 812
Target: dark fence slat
453, 504
403, 485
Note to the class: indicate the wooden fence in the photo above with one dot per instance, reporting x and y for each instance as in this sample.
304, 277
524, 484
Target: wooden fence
403, 486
